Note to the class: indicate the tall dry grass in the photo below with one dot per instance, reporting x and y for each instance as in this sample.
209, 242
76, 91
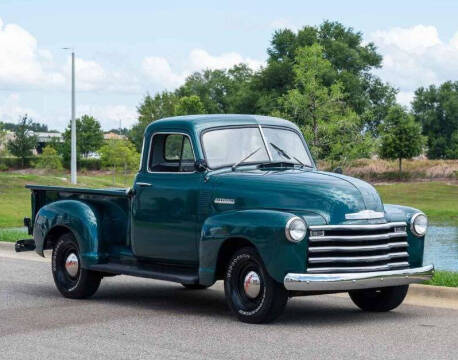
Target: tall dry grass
380, 170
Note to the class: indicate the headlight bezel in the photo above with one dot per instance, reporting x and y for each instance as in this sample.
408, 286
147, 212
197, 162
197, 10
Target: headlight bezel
288, 228
412, 224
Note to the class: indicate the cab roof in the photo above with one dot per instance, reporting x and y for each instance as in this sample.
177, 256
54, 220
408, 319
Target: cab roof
199, 123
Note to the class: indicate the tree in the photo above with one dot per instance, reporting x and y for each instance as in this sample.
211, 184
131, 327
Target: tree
333, 127
119, 154
436, 109
49, 159
352, 62
400, 136
188, 105
24, 140
150, 109
89, 137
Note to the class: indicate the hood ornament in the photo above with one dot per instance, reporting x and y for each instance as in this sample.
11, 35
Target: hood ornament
365, 215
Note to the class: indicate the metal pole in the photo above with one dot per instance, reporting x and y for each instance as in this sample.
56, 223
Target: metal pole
73, 137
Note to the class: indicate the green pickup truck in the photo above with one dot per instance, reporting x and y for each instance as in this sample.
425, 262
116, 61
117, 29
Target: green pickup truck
235, 198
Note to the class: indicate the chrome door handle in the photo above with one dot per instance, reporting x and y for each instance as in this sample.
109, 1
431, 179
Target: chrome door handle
143, 184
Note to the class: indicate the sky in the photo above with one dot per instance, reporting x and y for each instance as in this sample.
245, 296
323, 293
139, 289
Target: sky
126, 49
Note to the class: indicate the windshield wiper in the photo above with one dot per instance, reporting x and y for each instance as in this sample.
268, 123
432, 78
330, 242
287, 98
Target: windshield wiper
245, 158
286, 155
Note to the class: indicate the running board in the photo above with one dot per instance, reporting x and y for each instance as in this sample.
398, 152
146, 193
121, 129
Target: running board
179, 275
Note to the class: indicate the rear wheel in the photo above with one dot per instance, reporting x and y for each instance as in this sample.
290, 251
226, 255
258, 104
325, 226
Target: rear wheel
379, 300
70, 278
250, 291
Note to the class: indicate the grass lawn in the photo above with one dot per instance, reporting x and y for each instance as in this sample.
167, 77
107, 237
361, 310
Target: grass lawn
15, 198
438, 200
444, 278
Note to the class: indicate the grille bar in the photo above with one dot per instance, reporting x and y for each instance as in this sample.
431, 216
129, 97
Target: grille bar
358, 237
342, 249
385, 226
357, 248
349, 259
335, 269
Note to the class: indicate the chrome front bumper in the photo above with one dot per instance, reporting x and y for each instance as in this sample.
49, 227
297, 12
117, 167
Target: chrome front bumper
353, 281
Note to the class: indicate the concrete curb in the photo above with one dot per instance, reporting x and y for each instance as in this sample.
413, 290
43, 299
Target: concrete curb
7, 245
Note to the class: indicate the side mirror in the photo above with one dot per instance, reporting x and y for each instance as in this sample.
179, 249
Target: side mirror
200, 165
338, 170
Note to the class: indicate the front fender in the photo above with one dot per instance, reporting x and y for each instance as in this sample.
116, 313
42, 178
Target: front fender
80, 218
395, 213
264, 229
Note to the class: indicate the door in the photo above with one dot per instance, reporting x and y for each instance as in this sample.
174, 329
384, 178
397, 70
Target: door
164, 212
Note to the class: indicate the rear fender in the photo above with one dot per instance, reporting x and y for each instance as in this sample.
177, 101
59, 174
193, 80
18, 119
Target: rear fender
76, 216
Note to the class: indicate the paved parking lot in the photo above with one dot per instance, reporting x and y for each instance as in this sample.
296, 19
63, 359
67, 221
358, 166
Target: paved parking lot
138, 318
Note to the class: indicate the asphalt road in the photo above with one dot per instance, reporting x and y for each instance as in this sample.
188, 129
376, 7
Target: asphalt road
144, 319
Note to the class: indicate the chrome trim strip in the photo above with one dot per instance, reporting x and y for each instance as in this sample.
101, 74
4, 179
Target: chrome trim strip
348, 269
353, 281
321, 249
265, 143
358, 237
348, 259
365, 215
358, 227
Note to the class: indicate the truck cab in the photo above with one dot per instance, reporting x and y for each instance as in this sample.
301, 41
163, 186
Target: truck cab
235, 198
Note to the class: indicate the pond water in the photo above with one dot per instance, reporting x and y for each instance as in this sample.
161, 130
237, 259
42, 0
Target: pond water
441, 247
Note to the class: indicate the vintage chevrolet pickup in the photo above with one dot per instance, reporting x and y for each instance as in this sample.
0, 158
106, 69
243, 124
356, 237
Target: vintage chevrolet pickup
235, 198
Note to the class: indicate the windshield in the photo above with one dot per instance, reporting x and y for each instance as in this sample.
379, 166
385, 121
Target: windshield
226, 147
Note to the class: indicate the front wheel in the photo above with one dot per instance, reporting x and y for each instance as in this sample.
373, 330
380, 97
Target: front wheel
379, 300
250, 291
70, 278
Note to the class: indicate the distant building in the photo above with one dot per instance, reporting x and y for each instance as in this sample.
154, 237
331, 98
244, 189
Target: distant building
43, 138
113, 136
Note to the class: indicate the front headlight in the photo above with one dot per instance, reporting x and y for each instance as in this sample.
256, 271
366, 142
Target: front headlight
295, 229
419, 224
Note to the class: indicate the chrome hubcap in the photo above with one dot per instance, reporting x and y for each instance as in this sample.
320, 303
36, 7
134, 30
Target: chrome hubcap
72, 265
252, 285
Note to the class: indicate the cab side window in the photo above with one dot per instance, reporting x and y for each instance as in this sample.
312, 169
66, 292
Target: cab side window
171, 153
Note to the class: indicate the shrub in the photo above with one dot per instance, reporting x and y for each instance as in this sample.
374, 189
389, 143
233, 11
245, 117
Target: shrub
49, 159
12, 162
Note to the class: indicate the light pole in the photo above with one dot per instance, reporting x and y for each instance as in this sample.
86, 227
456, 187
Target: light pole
73, 125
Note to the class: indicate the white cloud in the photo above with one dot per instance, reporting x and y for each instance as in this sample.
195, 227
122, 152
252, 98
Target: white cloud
201, 59
110, 116
11, 109
21, 62
160, 73
414, 57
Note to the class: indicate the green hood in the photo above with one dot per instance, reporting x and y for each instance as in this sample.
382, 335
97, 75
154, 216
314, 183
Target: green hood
296, 190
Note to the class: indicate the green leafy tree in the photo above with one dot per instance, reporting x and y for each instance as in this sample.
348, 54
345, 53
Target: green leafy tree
332, 127
119, 155
401, 136
89, 137
24, 140
150, 109
188, 105
49, 159
436, 109
351, 60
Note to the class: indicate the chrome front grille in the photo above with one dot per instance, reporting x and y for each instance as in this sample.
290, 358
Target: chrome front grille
357, 248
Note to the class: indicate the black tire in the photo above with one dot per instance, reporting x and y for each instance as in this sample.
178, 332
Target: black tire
195, 286
379, 300
272, 296
84, 283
